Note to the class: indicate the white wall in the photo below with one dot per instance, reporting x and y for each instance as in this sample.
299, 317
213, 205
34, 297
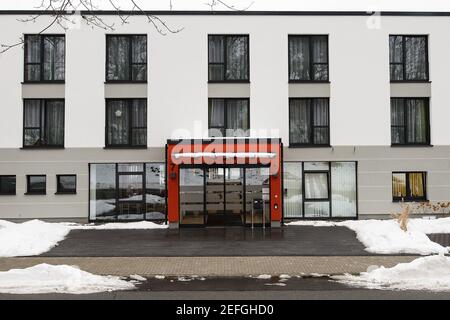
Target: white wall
177, 88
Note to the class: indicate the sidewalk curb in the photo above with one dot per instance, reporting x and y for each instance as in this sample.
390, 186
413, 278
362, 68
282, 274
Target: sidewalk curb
214, 266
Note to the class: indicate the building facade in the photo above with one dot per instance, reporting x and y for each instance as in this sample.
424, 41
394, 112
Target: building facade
239, 118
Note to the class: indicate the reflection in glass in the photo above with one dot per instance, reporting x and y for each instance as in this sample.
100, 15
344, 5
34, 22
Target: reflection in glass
316, 185
343, 189
155, 191
102, 191
191, 196
319, 209
257, 203
293, 189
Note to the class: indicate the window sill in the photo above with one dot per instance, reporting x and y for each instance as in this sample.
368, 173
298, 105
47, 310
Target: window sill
7, 194
42, 148
299, 146
411, 145
309, 81
228, 81
35, 193
410, 81
125, 82
44, 82
65, 193
124, 147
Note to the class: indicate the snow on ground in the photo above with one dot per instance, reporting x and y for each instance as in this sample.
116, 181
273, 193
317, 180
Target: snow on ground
35, 237
45, 278
426, 273
386, 237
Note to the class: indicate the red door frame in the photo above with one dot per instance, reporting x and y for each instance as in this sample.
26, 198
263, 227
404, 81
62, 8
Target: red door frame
244, 151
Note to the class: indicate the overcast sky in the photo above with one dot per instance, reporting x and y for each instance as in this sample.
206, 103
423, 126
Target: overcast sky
360, 5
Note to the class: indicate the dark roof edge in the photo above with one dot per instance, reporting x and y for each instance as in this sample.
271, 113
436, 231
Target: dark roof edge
243, 13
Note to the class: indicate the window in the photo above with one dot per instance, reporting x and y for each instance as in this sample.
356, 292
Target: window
319, 189
228, 117
66, 184
44, 58
7, 185
36, 184
408, 56
409, 186
410, 122
127, 191
43, 123
308, 58
228, 58
126, 123
309, 122
126, 58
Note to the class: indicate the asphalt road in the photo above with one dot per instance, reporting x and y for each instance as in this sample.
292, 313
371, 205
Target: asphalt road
242, 289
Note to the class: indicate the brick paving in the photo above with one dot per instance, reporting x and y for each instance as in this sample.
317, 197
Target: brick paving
213, 266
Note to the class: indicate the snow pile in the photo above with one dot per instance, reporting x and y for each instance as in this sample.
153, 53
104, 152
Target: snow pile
30, 238
386, 237
45, 278
36, 237
426, 273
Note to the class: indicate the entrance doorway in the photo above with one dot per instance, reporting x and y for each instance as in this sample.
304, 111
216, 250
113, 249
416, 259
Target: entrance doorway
224, 196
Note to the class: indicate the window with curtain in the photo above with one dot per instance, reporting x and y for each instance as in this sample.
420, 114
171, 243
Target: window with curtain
408, 57
409, 186
43, 123
308, 58
44, 58
309, 122
410, 122
320, 189
126, 122
228, 58
228, 117
126, 58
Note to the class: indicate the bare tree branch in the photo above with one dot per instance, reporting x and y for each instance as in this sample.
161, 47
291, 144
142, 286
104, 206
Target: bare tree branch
63, 11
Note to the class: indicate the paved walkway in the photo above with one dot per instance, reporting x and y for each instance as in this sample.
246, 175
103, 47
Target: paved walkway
211, 242
213, 266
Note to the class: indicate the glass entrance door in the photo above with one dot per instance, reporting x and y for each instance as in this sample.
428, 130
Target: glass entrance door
257, 196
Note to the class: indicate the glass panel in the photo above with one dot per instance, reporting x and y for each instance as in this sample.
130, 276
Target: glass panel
293, 195
216, 72
320, 72
343, 189
299, 58
130, 167
237, 58
155, 191
316, 166
54, 123
8, 185
139, 72
216, 56
37, 184
234, 195
415, 58
33, 72
317, 209
130, 187
395, 49
416, 185
215, 193
139, 55
117, 122
300, 121
139, 122
237, 118
32, 137
67, 184
33, 55
320, 55
217, 113
118, 58
399, 185
316, 185
417, 115
54, 57
257, 202
102, 191
191, 196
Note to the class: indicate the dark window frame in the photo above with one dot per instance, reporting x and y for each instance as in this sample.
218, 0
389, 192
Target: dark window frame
311, 138
311, 62
42, 127
42, 59
29, 191
403, 63
405, 126
129, 145
59, 191
131, 64
408, 187
2, 193
225, 127
224, 64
